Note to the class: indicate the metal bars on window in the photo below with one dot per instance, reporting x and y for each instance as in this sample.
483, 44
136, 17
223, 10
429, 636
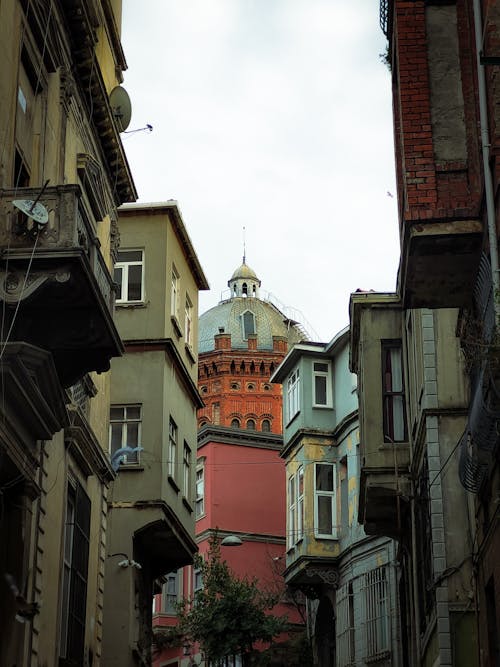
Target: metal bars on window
346, 650
376, 613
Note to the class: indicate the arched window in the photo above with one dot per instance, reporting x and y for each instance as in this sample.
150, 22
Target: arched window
233, 368
250, 386
235, 423
244, 289
248, 323
262, 368
266, 425
250, 425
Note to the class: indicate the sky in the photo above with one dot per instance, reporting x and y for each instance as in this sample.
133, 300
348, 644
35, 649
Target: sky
272, 128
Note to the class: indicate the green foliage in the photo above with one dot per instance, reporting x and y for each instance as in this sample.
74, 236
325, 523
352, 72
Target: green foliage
228, 615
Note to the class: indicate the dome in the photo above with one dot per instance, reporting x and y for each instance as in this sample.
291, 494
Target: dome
245, 313
244, 271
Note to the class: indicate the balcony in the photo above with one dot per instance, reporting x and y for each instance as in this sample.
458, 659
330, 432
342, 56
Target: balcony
55, 284
311, 574
439, 263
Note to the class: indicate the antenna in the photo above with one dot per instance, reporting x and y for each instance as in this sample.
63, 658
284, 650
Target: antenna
121, 107
244, 247
33, 209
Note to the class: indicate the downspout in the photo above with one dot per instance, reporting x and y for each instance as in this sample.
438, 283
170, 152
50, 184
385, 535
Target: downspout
485, 145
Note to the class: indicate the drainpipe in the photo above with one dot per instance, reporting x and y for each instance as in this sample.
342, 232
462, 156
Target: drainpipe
485, 145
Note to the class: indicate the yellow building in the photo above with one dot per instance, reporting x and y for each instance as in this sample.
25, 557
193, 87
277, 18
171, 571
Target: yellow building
153, 426
63, 173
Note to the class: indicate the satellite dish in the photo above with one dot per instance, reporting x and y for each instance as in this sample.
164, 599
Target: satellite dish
33, 209
121, 107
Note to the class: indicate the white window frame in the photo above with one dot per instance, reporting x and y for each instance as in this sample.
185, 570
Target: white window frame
199, 502
174, 296
125, 421
188, 322
318, 374
292, 510
299, 489
124, 266
332, 496
173, 434
244, 332
293, 394
173, 582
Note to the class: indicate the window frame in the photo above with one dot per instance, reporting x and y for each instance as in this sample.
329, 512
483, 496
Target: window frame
174, 295
124, 283
127, 459
292, 510
188, 321
299, 491
293, 394
186, 471
322, 493
388, 395
244, 332
199, 501
167, 604
173, 434
327, 375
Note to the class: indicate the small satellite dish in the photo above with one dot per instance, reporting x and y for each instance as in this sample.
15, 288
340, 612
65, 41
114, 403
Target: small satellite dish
32, 209
121, 107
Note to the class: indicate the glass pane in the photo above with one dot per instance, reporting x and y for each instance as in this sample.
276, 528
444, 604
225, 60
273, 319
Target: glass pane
324, 477
325, 517
134, 412
130, 255
291, 490
398, 416
300, 489
397, 374
118, 277
321, 367
132, 434
134, 283
320, 388
116, 437
116, 413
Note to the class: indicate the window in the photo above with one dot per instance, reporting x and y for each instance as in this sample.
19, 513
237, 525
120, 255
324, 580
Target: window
186, 472
75, 573
174, 296
235, 423
125, 431
324, 500
292, 510
188, 322
266, 425
200, 491
376, 613
293, 394
172, 447
197, 581
300, 503
170, 592
251, 425
129, 276
346, 647
322, 384
248, 323
393, 393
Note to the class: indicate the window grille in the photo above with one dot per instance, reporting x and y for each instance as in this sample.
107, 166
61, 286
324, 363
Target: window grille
376, 613
346, 651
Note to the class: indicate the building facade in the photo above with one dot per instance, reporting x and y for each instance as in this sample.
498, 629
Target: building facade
153, 425
426, 356
240, 479
63, 173
348, 576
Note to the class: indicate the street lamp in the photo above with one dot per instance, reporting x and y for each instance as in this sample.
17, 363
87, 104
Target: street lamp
231, 541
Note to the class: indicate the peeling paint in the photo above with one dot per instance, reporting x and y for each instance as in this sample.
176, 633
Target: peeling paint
352, 484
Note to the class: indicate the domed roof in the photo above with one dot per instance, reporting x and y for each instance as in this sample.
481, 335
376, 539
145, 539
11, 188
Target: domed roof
244, 271
246, 313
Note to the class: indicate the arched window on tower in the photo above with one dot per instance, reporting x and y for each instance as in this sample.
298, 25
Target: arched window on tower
262, 368
248, 323
266, 425
235, 423
250, 425
233, 368
244, 289
254, 290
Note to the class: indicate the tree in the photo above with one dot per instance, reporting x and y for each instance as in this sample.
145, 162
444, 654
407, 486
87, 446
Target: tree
228, 615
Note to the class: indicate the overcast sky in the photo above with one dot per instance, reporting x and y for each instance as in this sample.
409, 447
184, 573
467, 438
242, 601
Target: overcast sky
273, 116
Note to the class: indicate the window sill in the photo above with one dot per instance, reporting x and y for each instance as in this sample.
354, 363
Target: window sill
173, 483
187, 504
292, 418
200, 516
322, 407
190, 353
176, 325
131, 304
130, 467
